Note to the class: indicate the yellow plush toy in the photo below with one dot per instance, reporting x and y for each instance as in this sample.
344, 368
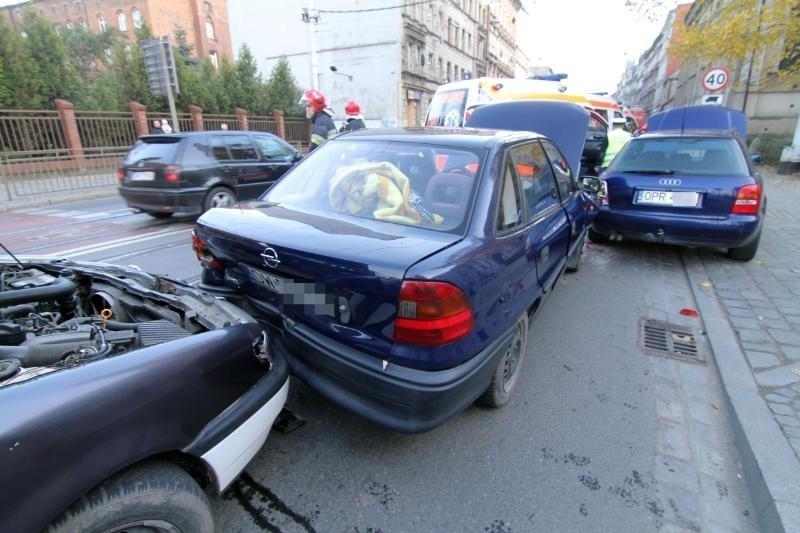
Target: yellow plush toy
377, 189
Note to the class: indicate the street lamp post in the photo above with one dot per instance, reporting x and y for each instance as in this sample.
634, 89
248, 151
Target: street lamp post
311, 17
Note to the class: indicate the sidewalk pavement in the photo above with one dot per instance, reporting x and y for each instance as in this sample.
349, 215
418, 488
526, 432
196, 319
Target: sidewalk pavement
751, 312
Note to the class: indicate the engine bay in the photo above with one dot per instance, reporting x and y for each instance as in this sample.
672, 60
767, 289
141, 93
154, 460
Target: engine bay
57, 314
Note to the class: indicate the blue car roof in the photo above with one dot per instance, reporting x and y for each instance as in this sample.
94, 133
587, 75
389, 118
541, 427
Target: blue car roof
565, 123
701, 117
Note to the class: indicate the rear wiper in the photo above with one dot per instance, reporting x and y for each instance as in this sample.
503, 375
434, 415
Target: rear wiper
142, 160
652, 172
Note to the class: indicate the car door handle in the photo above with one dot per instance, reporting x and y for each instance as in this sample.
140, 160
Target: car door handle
226, 168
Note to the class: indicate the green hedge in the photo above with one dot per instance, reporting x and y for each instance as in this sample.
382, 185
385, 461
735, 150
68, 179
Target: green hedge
770, 146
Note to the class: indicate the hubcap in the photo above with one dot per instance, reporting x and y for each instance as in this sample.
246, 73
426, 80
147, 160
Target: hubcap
512, 357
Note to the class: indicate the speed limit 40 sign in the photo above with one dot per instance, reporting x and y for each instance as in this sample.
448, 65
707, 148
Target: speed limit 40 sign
716, 79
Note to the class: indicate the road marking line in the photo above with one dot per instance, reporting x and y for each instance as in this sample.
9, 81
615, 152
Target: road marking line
84, 250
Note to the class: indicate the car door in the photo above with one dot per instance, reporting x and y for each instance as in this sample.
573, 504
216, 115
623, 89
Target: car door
548, 227
246, 166
579, 205
277, 155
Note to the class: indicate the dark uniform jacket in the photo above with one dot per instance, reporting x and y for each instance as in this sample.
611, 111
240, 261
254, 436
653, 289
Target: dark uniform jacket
322, 128
352, 124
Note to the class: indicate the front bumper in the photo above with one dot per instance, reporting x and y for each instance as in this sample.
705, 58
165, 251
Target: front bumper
232, 439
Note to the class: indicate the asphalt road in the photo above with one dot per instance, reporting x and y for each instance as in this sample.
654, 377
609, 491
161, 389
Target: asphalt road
603, 434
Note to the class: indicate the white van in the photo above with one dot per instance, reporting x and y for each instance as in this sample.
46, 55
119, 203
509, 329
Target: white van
453, 102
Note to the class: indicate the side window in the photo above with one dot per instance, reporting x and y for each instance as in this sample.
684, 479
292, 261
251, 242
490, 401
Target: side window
509, 214
535, 177
219, 150
196, 153
566, 182
271, 148
241, 148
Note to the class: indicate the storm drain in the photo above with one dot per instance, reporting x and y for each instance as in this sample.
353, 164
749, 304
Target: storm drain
670, 340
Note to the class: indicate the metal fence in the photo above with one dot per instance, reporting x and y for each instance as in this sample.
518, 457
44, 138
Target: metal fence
35, 154
25, 131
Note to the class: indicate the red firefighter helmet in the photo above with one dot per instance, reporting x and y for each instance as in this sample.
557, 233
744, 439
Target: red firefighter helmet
352, 108
314, 98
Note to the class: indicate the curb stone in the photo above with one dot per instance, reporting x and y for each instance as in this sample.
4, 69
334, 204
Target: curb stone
770, 464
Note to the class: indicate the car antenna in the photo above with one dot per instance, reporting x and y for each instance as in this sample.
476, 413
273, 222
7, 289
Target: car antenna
12, 255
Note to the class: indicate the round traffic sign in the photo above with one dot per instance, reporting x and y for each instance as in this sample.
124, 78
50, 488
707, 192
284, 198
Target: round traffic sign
716, 79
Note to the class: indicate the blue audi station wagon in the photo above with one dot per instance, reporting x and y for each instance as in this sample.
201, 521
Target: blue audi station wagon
687, 181
397, 270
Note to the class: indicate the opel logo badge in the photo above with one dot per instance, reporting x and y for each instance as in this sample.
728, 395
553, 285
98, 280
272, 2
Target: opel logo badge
669, 181
270, 257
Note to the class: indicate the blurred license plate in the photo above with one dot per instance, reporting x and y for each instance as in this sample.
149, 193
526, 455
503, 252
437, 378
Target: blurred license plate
269, 281
673, 198
141, 176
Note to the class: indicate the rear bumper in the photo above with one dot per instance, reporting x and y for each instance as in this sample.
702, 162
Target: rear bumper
188, 201
400, 398
730, 232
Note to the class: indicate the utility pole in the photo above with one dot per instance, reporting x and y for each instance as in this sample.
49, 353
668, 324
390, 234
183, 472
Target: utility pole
311, 17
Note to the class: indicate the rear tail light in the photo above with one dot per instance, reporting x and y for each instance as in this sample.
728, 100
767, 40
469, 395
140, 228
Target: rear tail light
204, 255
431, 313
120, 174
748, 200
172, 173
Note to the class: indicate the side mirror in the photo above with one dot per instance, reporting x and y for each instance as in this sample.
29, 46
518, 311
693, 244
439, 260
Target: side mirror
591, 184
755, 158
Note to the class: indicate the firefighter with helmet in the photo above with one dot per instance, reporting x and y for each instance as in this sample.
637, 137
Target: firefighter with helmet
322, 126
354, 121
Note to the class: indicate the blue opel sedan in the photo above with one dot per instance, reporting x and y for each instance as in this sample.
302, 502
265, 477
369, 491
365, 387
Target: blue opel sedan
687, 181
398, 270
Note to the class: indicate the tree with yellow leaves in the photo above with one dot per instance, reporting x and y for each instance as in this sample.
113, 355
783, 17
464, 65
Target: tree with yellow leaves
744, 32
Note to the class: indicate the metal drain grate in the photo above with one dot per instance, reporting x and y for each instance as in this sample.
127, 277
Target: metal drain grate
661, 338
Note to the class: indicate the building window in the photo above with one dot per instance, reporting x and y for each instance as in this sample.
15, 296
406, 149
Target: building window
101, 23
206, 7
122, 21
214, 59
210, 29
136, 15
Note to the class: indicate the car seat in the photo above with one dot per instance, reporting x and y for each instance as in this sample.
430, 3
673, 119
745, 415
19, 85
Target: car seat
448, 194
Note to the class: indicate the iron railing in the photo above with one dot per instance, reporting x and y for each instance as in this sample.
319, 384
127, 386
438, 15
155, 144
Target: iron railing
38, 156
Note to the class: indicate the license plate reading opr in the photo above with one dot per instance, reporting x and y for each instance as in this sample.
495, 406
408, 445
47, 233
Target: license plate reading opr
672, 198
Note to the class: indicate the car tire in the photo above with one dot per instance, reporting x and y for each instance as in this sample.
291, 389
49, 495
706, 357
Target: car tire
155, 496
158, 214
596, 236
746, 252
574, 262
219, 197
506, 373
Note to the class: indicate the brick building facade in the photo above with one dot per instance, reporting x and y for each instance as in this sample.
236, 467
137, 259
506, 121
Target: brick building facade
204, 21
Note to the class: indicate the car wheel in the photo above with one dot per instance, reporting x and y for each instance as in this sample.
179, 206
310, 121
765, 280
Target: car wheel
506, 373
158, 214
596, 236
746, 252
219, 197
155, 496
574, 263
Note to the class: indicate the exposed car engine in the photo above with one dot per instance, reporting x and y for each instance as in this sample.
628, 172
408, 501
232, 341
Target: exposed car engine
55, 314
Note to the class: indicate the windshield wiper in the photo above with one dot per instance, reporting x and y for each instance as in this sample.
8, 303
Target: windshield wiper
652, 172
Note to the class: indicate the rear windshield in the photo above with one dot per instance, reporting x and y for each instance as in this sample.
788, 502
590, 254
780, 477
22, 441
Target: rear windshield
160, 150
713, 156
397, 182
